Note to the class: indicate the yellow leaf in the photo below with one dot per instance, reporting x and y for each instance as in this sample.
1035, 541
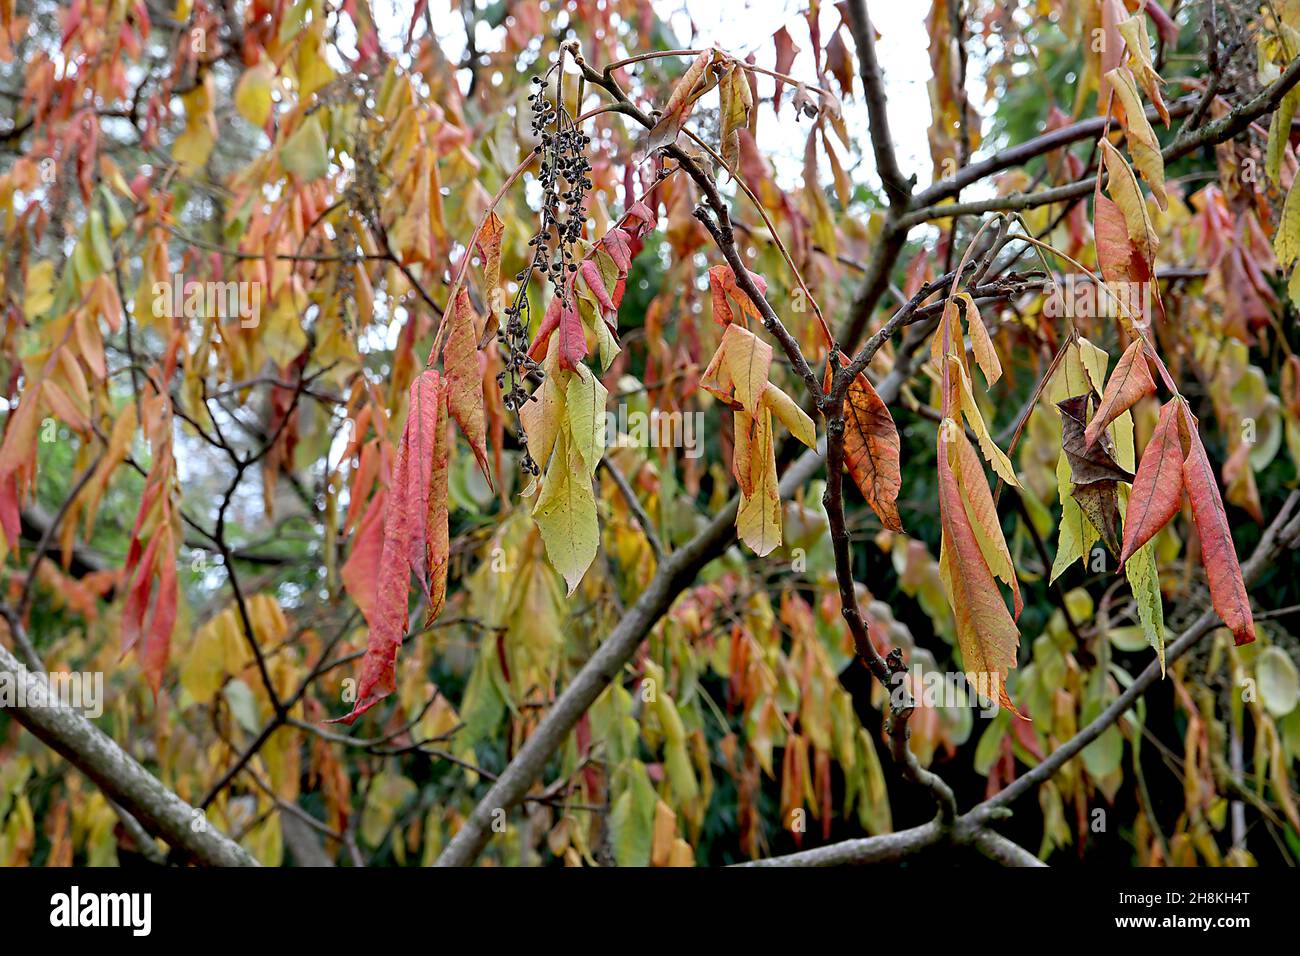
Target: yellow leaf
758, 520
1142, 142
981, 343
790, 414
1287, 241
1123, 188
992, 453
253, 93
38, 294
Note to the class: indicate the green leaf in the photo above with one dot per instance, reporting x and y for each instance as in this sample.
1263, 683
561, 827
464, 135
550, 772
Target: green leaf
566, 512
632, 818
305, 153
1279, 683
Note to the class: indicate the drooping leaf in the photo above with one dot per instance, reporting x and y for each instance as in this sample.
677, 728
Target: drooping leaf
1138, 47
1141, 138
971, 411
981, 343
736, 107
983, 515
1227, 589
1093, 472
404, 547
738, 372
437, 539
585, 400
1123, 188
871, 450
758, 519
790, 415
565, 511
699, 78
986, 632
1130, 382
1158, 486
463, 364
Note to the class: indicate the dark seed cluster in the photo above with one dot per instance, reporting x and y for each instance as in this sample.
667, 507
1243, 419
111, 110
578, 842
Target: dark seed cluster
564, 179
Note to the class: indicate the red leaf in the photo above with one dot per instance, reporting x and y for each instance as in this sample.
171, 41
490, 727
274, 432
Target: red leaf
360, 571
785, 54
157, 642
1158, 485
1227, 589
550, 322
573, 338
403, 550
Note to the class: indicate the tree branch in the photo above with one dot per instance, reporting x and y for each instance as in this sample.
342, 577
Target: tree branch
118, 774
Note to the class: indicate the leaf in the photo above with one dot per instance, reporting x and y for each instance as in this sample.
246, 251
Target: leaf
786, 51
437, 539
406, 514
1286, 242
985, 355
1158, 486
1138, 45
1123, 188
1141, 138
737, 105
38, 292
871, 450
1279, 134
698, 79
1279, 683
738, 372
988, 447
1120, 261
631, 818
722, 286
1227, 589
573, 340
1144, 579
253, 93
305, 153
758, 519
585, 399
360, 572
541, 417
565, 512
1130, 382
790, 414
983, 515
1093, 472
986, 632
1140, 570
489, 246
463, 365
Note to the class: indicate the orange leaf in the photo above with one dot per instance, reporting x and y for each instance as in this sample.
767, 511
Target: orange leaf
1227, 589
871, 449
986, 632
463, 365
437, 541
1130, 381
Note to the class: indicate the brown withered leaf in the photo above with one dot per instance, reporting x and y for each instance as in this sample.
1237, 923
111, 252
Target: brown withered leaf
1093, 470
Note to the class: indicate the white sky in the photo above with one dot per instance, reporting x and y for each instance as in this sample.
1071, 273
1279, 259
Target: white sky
746, 26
